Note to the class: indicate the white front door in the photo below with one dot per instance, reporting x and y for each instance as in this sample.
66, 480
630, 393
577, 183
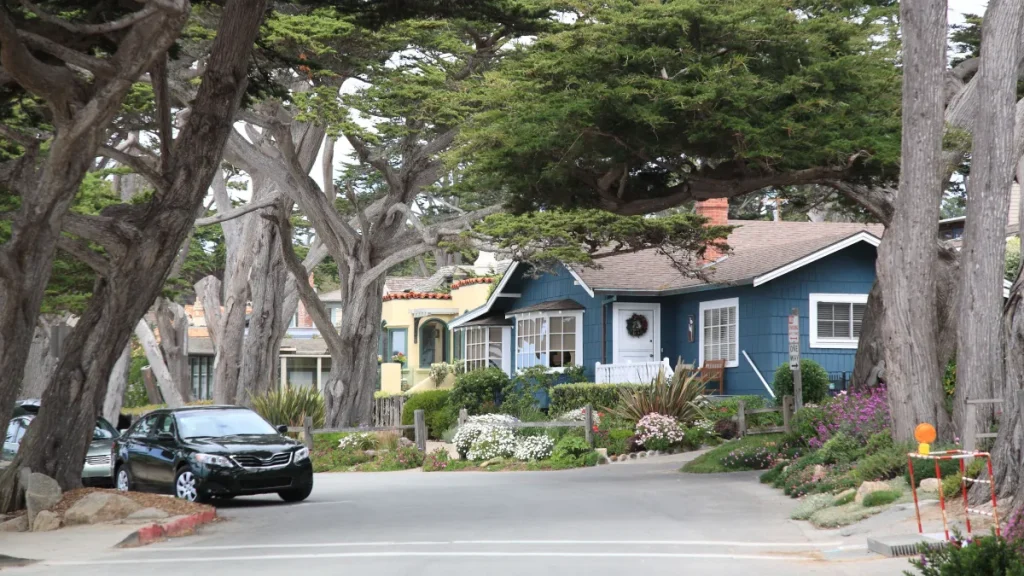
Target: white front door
637, 333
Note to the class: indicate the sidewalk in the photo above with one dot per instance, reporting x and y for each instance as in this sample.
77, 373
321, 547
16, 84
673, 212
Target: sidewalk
74, 543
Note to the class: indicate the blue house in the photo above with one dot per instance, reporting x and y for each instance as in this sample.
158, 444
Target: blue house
636, 310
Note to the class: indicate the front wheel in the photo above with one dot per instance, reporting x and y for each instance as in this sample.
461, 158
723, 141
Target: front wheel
186, 485
296, 495
123, 479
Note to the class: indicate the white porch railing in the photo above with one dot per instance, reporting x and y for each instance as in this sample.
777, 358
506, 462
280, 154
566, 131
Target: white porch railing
631, 373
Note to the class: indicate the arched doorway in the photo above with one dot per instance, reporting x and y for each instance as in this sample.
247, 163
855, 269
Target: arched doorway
433, 342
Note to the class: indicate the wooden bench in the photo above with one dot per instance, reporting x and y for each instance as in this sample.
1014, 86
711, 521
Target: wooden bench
714, 371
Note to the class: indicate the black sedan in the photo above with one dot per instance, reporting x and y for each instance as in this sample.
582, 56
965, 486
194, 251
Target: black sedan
205, 452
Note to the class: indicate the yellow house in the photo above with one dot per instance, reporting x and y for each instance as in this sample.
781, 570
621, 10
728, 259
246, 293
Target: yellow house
416, 334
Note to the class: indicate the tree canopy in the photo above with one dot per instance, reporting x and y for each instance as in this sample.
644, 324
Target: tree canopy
641, 105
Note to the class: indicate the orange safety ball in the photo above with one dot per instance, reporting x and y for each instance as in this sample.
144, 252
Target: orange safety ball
925, 433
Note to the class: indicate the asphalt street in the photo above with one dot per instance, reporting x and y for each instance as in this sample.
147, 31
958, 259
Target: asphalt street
631, 518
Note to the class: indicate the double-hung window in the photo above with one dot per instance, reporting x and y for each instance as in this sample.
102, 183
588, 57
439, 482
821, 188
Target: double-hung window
719, 331
552, 340
836, 319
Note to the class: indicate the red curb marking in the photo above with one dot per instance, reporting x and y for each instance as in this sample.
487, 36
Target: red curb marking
157, 532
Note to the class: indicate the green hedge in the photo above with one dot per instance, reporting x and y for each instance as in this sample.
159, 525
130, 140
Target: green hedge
566, 397
438, 415
813, 379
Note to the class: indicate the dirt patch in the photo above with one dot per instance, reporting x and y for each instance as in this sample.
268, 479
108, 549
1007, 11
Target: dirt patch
173, 506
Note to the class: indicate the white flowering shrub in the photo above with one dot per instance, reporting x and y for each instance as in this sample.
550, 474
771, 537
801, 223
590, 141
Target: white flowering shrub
358, 441
477, 425
534, 448
657, 432
705, 426
580, 415
493, 442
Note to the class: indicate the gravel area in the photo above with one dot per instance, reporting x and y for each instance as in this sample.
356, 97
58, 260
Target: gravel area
171, 505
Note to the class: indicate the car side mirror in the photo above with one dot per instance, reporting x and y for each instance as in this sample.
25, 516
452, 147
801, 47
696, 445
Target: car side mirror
282, 429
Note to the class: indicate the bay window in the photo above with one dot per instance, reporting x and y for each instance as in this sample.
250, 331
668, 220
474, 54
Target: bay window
549, 339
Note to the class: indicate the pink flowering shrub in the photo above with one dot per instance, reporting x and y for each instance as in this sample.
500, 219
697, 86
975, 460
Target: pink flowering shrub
753, 457
658, 432
858, 414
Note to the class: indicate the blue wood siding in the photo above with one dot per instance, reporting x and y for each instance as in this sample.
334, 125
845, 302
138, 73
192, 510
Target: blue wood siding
763, 314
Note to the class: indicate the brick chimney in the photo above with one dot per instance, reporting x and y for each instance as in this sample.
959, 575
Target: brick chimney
716, 210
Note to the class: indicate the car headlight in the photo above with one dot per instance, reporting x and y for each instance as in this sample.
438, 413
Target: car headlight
214, 460
301, 454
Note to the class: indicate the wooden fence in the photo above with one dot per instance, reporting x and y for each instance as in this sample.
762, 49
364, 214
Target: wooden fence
388, 411
787, 416
419, 429
587, 423
971, 434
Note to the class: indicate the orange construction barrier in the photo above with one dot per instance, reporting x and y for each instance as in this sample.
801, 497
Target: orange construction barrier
960, 455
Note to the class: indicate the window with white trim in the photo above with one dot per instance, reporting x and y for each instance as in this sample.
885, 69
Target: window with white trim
483, 347
552, 340
719, 331
836, 319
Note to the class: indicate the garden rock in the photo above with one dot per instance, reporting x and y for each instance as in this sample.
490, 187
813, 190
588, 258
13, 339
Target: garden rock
100, 507
148, 514
633, 456
370, 453
19, 524
487, 463
404, 442
819, 473
930, 484
41, 493
869, 487
45, 521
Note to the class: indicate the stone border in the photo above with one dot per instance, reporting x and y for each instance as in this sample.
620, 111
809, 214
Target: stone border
644, 454
181, 526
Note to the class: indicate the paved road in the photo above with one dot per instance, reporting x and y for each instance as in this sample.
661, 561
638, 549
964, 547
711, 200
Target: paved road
632, 518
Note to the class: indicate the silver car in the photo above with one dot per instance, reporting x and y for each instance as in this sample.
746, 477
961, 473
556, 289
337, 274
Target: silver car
97, 470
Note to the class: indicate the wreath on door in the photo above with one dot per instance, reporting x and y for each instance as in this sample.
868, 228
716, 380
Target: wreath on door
636, 325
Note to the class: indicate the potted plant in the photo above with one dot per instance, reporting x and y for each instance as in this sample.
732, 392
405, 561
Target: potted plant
398, 357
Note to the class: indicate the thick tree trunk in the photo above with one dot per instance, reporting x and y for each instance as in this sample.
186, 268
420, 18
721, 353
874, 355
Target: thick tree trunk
152, 389
57, 441
41, 362
907, 257
261, 358
117, 385
349, 392
869, 363
979, 351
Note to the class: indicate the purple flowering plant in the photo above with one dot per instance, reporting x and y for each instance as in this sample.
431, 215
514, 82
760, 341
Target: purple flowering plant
859, 414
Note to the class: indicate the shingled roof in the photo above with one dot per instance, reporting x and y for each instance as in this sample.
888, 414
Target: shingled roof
756, 247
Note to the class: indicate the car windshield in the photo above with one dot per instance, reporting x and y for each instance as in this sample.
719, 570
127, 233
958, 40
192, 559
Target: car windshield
219, 423
104, 430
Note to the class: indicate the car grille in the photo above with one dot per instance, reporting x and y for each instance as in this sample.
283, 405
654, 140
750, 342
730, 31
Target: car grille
97, 460
250, 461
265, 483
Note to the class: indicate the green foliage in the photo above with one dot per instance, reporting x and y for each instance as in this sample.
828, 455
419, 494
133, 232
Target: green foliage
437, 412
1012, 258
568, 397
988, 555
135, 393
571, 449
477, 389
551, 237
615, 440
575, 374
813, 379
810, 505
881, 464
681, 89
926, 468
520, 396
681, 397
711, 461
881, 498
439, 371
951, 486
841, 449
437, 460
805, 421
773, 474
290, 406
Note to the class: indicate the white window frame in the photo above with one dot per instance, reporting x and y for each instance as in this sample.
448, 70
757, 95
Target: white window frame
506, 339
711, 305
577, 314
833, 343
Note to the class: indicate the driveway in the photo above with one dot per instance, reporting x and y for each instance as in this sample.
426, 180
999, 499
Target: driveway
636, 517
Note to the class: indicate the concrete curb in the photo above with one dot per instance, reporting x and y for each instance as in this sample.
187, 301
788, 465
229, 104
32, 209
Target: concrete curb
182, 526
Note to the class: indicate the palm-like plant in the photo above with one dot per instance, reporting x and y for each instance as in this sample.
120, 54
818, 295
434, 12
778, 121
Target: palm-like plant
290, 406
681, 396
